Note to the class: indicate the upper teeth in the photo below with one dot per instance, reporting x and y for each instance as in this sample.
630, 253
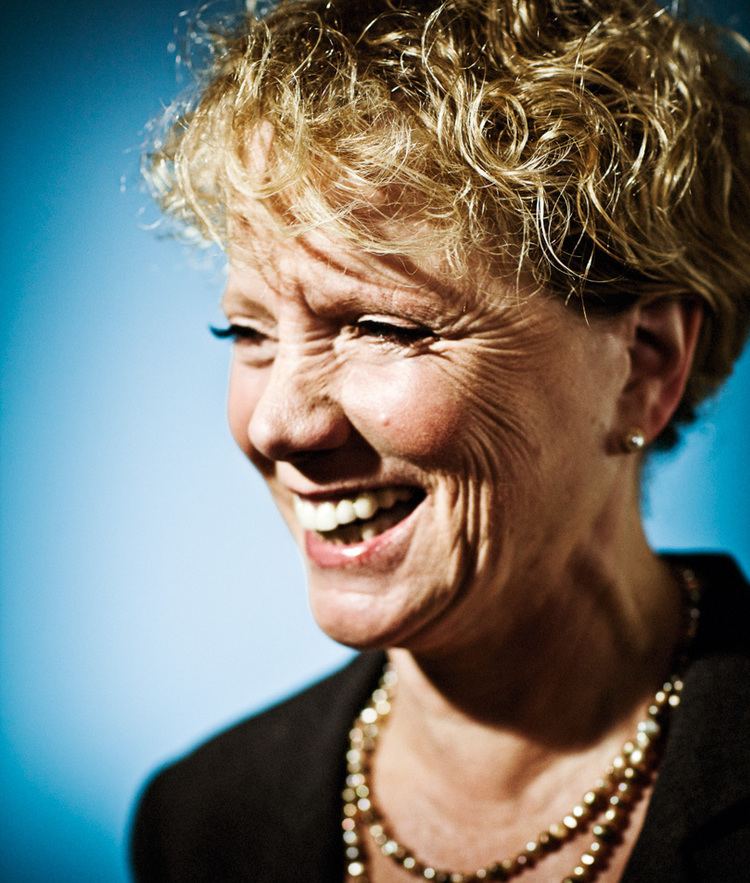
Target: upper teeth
332, 514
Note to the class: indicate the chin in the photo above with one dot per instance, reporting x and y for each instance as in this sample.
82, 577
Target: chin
352, 618
365, 616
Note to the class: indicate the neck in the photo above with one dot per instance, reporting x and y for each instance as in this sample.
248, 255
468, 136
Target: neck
573, 677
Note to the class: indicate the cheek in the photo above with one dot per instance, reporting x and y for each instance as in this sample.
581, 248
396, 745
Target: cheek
409, 409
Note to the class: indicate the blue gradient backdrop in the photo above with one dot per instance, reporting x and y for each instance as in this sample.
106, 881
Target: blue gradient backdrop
149, 593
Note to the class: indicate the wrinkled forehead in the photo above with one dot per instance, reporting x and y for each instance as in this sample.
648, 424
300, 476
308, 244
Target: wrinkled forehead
267, 259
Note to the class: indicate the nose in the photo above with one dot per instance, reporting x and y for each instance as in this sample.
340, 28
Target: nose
296, 414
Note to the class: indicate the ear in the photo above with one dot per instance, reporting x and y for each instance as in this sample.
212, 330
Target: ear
663, 337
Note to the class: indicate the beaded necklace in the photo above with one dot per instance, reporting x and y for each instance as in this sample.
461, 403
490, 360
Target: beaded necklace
604, 809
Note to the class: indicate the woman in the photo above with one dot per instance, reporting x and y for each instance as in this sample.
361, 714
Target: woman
483, 257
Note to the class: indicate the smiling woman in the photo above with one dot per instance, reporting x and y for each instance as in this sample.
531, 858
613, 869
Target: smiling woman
483, 256
347, 400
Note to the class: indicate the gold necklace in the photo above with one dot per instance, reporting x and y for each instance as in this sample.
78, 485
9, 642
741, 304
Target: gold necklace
605, 808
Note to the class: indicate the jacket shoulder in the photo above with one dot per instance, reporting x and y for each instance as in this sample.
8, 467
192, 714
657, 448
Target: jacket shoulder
249, 791
697, 825
725, 603
254, 743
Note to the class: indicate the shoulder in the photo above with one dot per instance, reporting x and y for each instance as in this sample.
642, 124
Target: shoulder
699, 816
305, 717
725, 604
235, 798
714, 717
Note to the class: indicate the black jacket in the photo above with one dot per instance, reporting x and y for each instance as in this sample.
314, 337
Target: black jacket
260, 802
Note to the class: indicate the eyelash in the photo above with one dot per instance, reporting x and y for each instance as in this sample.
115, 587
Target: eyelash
385, 332
238, 332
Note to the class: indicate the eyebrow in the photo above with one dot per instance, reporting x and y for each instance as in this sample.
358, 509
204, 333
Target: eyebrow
234, 300
357, 282
400, 276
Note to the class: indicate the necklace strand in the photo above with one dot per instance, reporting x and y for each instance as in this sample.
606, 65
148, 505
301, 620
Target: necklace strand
605, 809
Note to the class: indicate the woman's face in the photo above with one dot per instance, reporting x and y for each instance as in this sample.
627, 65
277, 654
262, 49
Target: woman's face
436, 450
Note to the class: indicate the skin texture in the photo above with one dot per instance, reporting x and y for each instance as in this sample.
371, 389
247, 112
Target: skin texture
528, 618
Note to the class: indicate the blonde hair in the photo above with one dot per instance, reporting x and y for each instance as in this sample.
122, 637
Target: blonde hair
599, 147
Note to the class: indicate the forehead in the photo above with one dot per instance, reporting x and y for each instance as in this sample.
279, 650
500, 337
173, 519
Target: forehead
271, 267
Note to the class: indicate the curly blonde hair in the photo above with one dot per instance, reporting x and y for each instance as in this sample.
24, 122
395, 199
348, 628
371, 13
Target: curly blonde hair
599, 147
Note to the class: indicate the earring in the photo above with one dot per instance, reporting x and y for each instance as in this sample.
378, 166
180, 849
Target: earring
633, 441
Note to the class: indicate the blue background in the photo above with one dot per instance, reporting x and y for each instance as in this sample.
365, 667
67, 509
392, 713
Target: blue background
149, 592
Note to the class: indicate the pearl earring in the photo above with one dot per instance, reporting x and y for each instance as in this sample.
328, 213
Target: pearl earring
634, 440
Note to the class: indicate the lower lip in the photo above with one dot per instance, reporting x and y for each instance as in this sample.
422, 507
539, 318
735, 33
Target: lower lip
383, 550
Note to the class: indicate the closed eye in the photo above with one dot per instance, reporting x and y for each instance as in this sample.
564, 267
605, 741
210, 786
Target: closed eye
387, 331
236, 333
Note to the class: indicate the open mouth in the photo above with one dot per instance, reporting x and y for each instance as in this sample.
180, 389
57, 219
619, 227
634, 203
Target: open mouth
348, 520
